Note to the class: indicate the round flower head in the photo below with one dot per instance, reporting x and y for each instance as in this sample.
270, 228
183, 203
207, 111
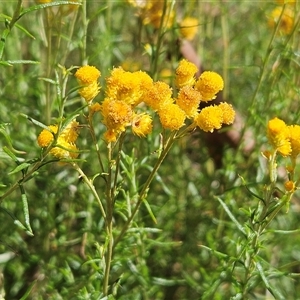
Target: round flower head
64, 150
87, 75
188, 100
278, 136
46, 137
227, 112
70, 132
286, 19
294, 137
127, 86
157, 95
189, 28
141, 125
110, 136
185, 73
116, 114
90, 91
290, 186
209, 118
209, 84
171, 117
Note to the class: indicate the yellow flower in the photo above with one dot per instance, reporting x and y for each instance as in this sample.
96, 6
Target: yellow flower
127, 86
188, 100
286, 1
90, 91
141, 124
227, 112
209, 118
286, 19
87, 75
185, 73
158, 95
171, 117
46, 137
278, 136
116, 114
64, 150
152, 13
294, 137
209, 84
189, 28
110, 136
290, 186
70, 132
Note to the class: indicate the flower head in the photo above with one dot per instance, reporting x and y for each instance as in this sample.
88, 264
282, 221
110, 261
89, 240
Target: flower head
64, 150
228, 113
141, 124
185, 73
188, 100
87, 75
209, 118
46, 137
278, 135
294, 137
189, 28
286, 18
127, 86
116, 114
157, 95
171, 117
290, 186
209, 84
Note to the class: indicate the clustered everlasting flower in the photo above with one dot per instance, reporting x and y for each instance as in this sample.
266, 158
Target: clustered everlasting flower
64, 147
131, 96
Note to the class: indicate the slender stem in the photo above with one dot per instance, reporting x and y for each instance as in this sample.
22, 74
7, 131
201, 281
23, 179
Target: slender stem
144, 191
92, 188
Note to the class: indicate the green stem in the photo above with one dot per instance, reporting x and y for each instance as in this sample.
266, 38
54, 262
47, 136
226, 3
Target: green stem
144, 191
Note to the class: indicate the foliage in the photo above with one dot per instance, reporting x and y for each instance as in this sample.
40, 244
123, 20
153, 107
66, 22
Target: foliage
164, 214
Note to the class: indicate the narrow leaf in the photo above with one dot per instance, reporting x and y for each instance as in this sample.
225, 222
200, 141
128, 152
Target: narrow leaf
19, 168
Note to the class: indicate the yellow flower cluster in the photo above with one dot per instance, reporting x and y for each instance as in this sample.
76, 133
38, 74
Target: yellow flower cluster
285, 16
126, 90
65, 143
87, 77
283, 138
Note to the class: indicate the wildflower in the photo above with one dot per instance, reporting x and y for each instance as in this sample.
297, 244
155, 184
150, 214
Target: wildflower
127, 86
70, 132
110, 136
188, 100
116, 114
209, 84
189, 28
94, 107
46, 137
141, 124
228, 113
290, 186
64, 149
185, 73
294, 137
209, 118
278, 136
286, 19
157, 95
171, 117
87, 77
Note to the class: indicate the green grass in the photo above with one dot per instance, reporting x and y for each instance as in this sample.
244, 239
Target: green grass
200, 232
